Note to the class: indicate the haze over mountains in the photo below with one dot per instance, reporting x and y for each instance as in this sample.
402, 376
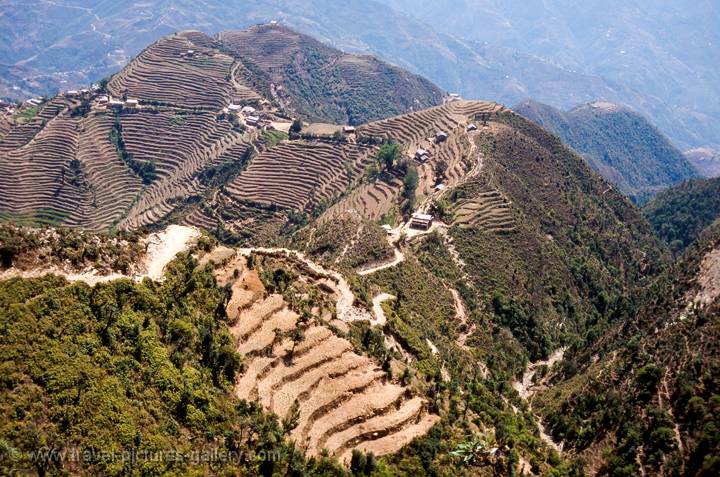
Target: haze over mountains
618, 143
444, 289
668, 75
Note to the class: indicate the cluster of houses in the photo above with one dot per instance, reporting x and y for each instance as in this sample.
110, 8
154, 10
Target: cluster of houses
190, 54
250, 114
113, 103
7, 107
77, 93
32, 102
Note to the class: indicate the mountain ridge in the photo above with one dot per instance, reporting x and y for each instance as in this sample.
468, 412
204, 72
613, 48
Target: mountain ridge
98, 34
618, 142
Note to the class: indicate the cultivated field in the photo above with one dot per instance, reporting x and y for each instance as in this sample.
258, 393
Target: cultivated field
166, 73
181, 146
58, 168
345, 401
488, 210
300, 175
325, 84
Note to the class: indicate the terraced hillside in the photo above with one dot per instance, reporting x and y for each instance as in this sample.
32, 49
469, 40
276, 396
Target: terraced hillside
61, 168
186, 70
325, 84
180, 146
617, 142
94, 162
486, 209
343, 400
301, 174
450, 161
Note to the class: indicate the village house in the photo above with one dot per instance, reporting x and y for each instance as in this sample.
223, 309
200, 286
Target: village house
471, 127
441, 136
349, 129
116, 104
252, 121
421, 155
421, 221
132, 103
248, 110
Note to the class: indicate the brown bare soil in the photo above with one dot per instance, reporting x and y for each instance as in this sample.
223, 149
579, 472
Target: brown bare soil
345, 400
166, 73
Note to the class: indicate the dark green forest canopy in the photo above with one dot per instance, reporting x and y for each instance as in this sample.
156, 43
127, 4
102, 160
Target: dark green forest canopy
129, 368
679, 215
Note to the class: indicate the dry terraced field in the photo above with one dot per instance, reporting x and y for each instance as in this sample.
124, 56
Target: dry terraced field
301, 175
345, 401
166, 73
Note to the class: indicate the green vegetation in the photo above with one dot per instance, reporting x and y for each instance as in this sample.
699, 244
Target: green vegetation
679, 215
653, 386
388, 155
347, 242
135, 379
272, 138
325, 85
144, 169
410, 183
26, 114
28, 248
36, 218
620, 144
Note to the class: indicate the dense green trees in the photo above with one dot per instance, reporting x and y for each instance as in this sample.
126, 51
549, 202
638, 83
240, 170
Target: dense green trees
388, 155
679, 215
131, 379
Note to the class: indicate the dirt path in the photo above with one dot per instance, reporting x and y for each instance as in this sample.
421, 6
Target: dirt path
161, 248
399, 257
377, 308
527, 389
461, 316
344, 307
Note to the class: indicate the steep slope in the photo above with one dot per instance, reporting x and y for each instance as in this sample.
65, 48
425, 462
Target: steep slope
79, 42
644, 400
81, 161
126, 374
680, 214
530, 252
323, 83
662, 50
618, 143
706, 161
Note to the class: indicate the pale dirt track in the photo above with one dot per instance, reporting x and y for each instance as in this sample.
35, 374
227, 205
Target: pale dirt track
527, 389
162, 247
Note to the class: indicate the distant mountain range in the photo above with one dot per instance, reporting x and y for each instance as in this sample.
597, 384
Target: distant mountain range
706, 161
537, 311
667, 51
506, 52
618, 143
